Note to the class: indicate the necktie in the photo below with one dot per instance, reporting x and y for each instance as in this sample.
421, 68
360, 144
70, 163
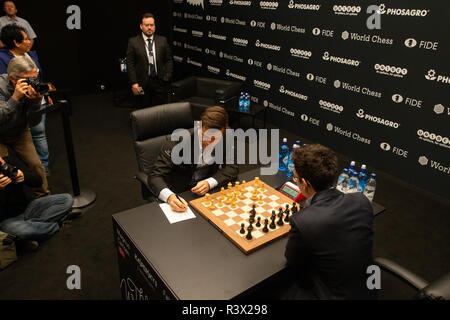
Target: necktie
152, 59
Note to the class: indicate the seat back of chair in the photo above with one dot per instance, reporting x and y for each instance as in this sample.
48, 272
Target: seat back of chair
151, 127
437, 290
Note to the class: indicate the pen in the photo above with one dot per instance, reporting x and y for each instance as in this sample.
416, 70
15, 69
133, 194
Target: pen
179, 199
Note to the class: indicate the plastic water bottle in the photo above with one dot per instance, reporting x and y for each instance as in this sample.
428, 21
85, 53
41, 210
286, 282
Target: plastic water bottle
353, 183
241, 102
362, 178
342, 183
291, 166
283, 156
245, 102
298, 143
351, 169
247, 98
371, 185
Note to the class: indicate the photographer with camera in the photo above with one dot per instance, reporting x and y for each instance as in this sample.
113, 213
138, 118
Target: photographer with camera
16, 44
29, 221
19, 106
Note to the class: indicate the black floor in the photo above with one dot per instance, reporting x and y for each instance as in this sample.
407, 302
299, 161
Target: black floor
414, 231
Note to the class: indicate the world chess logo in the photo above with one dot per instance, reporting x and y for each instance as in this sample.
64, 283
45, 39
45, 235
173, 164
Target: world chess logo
208, 18
385, 146
316, 31
337, 84
221, 54
222, 20
266, 103
196, 3
269, 66
273, 26
397, 98
410, 43
345, 35
431, 75
326, 56
439, 109
423, 160
330, 127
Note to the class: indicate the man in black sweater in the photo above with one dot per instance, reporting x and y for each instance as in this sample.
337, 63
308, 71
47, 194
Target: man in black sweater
29, 221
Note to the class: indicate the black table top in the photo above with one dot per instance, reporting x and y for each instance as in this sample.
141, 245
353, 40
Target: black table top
193, 258
233, 106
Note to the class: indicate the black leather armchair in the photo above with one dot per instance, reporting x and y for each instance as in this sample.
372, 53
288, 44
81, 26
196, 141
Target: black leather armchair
205, 92
151, 127
437, 290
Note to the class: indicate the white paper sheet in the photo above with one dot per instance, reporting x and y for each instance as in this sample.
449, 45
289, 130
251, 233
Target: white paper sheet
175, 217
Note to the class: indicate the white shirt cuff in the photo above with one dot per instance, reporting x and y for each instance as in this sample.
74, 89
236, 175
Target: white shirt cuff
165, 194
212, 183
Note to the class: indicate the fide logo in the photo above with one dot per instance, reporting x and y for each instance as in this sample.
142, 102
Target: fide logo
221, 54
337, 84
345, 35
410, 43
305, 117
316, 31
269, 67
397, 98
266, 103
310, 77
273, 26
431, 75
385, 146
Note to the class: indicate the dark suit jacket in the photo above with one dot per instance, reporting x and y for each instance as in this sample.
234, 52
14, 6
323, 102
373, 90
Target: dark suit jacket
137, 60
165, 174
330, 246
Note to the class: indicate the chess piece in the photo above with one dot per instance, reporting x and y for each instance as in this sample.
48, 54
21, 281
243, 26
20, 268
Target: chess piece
253, 211
252, 218
207, 200
230, 186
243, 187
286, 219
242, 229
241, 194
220, 204
222, 194
236, 186
256, 182
265, 229
228, 201
280, 218
254, 195
294, 208
249, 234
261, 199
212, 206
233, 203
272, 224
258, 224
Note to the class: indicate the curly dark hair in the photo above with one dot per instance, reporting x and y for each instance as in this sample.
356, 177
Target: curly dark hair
317, 164
10, 33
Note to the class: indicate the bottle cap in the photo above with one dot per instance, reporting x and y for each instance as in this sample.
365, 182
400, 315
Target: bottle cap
353, 163
345, 171
285, 140
373, 175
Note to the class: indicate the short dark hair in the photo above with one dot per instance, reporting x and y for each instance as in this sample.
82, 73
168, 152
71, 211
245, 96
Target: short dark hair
10, 33
147, 15
316, 164
215, 118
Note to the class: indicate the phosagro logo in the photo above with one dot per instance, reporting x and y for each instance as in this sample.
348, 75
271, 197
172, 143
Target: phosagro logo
240, 3
327, 57
378, 120
392, 71
268, 5
303, 6
235, 76
293, 94
304, 54
346, 10
402, 12
433, 138
433, 76
260, 44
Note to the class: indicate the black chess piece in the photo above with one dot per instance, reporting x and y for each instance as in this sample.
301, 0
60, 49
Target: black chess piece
286, 218
287, 208
242, 229
258, 224
265, 229
280, 219
249, 234
272, 224
294, 208
252, 218
253, 211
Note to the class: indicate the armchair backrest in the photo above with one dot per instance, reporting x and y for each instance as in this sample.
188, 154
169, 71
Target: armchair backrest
215, 88
151, 127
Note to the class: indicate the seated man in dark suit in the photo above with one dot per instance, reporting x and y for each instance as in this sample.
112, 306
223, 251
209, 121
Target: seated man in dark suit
167, 179
330, 243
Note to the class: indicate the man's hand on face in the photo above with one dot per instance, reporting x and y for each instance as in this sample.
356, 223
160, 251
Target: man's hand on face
4, 181
201, 188
19, 178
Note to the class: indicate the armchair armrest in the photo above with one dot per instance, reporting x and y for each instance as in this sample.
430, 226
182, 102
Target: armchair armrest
142, 178
402, 273
184, 88
226, 94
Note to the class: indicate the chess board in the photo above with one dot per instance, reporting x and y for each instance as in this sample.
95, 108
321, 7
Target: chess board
229, 220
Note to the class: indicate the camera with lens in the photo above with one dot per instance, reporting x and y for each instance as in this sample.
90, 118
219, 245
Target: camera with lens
9, 171
38, 86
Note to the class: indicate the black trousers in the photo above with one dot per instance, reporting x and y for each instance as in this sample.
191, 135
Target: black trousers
156, 93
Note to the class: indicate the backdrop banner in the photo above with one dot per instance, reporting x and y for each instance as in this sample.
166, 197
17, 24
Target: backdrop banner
370, 80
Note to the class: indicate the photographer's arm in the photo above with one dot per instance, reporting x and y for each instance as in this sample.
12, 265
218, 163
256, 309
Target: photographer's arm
31, 178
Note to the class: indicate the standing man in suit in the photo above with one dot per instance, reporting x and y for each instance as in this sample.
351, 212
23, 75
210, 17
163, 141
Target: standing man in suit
330, 243
149, 63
